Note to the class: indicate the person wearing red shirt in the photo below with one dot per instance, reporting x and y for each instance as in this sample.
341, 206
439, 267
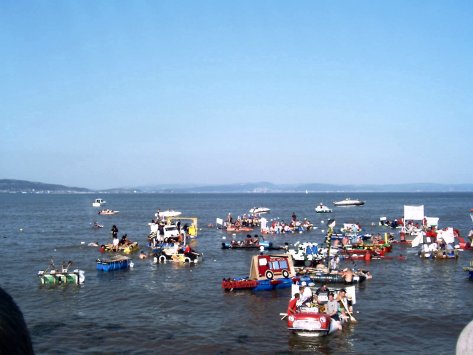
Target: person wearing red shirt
292, 306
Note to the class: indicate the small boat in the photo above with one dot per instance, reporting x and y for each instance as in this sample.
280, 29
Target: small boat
322, 209
98, 202
267, 272
53, 276
310, 319
259, 210
169, 213
107, 212
348, 202
116, 262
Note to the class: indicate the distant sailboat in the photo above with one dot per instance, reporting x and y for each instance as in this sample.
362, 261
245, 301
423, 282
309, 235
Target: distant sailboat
306, 192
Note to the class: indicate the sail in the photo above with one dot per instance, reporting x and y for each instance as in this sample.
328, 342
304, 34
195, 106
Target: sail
415, 213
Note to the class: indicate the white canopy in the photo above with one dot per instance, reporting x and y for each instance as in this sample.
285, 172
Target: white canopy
415, 213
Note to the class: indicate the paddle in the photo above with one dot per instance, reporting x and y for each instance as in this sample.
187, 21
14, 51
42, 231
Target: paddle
284, 315
352, 318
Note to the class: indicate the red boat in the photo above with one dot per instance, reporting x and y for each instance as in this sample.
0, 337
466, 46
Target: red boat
309, 323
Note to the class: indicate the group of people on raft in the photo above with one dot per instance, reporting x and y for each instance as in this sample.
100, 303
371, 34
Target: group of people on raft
245, 221
323, 300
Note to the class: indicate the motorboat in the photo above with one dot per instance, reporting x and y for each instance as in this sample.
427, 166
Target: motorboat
107, 212
98, 202
322, 209
348, 202
168, 213
259, 210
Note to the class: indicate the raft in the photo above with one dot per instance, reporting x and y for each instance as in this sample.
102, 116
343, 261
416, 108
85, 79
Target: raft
114, 263
57, 277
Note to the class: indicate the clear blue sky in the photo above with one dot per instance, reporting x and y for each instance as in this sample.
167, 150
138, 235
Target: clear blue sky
105, 94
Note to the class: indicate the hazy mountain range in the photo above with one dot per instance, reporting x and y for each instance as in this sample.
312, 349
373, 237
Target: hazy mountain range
22, 186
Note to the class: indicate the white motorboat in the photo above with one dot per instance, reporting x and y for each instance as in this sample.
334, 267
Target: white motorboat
98, 202
322, 209
349, 202
169, 213
259, 210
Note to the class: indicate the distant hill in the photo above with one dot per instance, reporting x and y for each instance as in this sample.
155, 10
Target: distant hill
267, 187
15, 186
12, 186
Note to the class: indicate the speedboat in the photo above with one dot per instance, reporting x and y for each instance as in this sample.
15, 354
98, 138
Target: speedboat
169, 213
322, 209
98, 202
107, 212
349, 202
259, 210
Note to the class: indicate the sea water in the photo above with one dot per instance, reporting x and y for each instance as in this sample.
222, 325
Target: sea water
412, 305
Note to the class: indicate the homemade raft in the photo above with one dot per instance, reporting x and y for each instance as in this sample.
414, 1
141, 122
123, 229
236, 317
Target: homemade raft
116, 262
60, 277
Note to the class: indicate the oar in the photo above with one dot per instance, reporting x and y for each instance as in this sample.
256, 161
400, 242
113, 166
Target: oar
352, 318
284, 315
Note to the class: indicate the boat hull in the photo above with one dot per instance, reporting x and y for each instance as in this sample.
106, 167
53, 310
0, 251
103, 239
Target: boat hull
348, 202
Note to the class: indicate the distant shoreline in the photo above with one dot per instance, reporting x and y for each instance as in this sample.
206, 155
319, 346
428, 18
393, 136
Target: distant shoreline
22, 186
